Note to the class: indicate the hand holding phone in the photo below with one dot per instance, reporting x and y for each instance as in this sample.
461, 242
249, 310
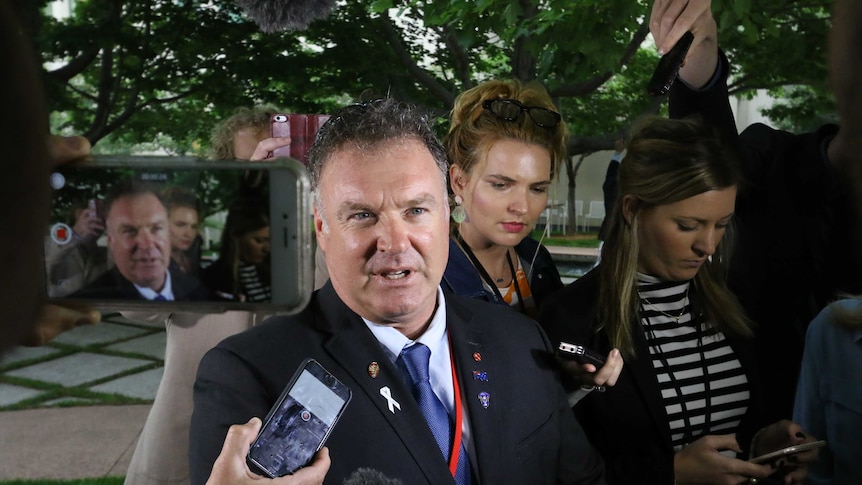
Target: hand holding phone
668, 66
300, 421
184, 206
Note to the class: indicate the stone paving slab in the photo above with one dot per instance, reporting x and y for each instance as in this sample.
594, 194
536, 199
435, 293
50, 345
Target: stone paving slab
101, 333
152, 345
142, 385
11, 394
20, 354
77, 369
69, 443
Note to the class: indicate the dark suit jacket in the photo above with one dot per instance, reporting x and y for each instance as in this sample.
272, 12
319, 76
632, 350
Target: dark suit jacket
527, 435
112, 285
628, 423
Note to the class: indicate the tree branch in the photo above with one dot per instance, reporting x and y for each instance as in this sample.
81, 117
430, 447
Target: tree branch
421, 75
459, 56
74, 67
523, 61
584, 88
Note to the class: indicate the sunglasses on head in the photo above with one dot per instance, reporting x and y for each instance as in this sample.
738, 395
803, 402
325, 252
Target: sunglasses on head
510, 110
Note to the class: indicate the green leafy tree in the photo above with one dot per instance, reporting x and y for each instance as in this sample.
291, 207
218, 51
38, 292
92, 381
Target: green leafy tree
164, 72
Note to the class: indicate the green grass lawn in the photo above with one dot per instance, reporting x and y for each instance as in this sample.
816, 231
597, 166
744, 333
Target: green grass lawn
83, 481
579, 240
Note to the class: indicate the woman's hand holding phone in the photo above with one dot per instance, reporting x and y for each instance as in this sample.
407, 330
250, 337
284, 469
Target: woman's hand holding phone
702, 462
231, 468
792, 464
588, 374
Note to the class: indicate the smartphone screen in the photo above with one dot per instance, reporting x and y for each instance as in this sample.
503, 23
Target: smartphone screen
668, 66
301, 128
299, 423
134, 232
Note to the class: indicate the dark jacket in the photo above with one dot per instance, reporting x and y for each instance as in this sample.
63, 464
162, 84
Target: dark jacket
628, 423
526, 434
462, 278
112, 285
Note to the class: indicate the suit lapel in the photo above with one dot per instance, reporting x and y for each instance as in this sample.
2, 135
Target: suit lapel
475, 366
354, 348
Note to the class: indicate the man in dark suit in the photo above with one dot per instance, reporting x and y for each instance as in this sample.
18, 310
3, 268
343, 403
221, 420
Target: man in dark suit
139, 244
378, 175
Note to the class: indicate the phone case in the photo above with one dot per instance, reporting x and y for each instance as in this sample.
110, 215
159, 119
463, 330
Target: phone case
301, 128
300, 422
281, 187
668, 66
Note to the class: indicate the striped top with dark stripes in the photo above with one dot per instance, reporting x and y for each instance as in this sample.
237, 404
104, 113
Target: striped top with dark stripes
681, 349
252, 286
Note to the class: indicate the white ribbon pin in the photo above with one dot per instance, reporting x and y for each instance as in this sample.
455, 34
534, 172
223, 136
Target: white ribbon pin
392, 403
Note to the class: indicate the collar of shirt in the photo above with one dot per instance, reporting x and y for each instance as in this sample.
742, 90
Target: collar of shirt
440, 365
167, 291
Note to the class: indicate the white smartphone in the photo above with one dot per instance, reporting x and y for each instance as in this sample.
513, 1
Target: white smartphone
157, 233
790, 450
300, 421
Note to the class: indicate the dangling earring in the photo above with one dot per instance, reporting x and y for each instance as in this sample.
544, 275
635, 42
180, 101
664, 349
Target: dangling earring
459, 215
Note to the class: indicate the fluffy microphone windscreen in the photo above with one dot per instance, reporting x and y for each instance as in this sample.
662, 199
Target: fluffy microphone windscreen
279, 15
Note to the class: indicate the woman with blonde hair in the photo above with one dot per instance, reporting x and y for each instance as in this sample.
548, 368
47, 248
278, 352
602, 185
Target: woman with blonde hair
505, 144
685, 407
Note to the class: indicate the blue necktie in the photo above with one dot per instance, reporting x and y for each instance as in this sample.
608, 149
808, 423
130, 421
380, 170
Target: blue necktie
160, 297
414, 363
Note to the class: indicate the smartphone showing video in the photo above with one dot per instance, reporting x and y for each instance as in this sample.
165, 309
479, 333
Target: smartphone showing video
299, 423
301, 128
668, 66
180, 233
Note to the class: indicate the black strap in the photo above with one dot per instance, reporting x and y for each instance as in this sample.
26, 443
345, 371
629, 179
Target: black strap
484, 274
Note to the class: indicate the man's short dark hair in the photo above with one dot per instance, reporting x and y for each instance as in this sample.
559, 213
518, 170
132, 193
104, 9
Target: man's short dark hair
367, 125
130, 188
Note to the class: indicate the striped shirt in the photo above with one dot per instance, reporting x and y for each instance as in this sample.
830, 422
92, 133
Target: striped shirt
251, 284
704, 388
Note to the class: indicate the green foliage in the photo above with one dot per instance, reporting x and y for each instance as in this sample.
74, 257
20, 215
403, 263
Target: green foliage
162, 73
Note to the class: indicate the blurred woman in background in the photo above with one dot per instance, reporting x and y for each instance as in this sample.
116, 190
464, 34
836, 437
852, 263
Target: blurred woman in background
242, 271
184, 211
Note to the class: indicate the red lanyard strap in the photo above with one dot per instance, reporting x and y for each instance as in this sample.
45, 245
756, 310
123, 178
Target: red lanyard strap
456, 442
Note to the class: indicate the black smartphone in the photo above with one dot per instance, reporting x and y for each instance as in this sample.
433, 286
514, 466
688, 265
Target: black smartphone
180, 232
668, 66
300, 421
580, 354
301, 128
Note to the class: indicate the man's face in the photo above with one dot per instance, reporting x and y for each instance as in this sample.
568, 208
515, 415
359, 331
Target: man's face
138, 238
386, 231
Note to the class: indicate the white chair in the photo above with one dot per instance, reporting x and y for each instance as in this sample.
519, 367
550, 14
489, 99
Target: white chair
559, 215
597, 211
579, 213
